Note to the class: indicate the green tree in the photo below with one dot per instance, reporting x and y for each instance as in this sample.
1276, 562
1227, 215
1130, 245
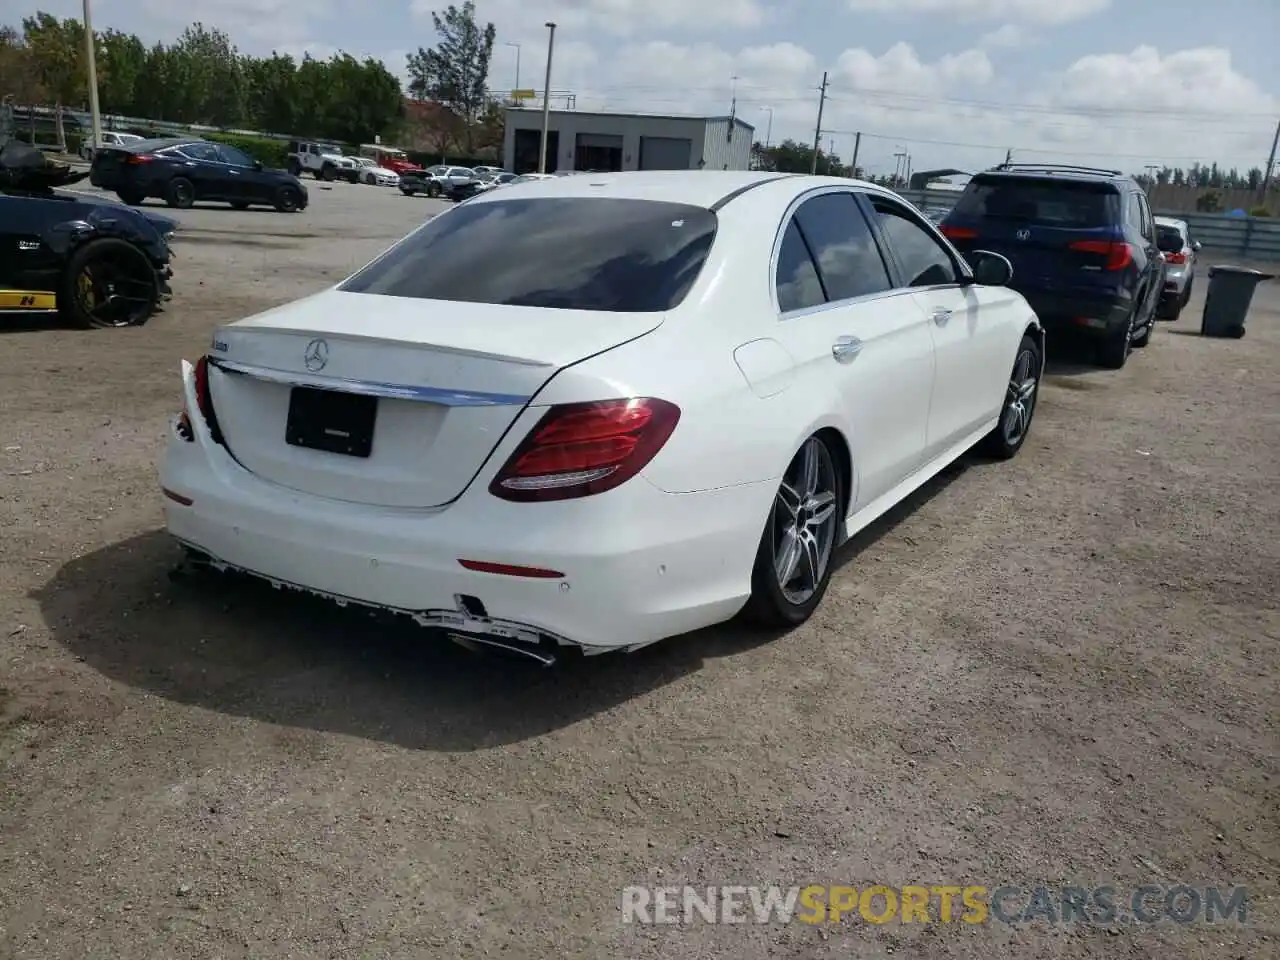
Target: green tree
362, 100
209, 75
57, 51
454, 72
271, 91
19, 77
120, 64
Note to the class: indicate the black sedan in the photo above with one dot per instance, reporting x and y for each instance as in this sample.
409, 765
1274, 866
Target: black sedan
95, 262
183, 171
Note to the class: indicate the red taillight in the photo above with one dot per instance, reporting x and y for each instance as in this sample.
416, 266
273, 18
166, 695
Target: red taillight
1175, 258
204, 399
958, 233
512, 570
136, 158
579, 449
1119, 254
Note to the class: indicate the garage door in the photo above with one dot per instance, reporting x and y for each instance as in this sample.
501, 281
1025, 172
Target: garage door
665, 153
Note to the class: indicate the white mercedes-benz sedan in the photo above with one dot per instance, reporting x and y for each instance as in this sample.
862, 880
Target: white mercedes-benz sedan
602, 410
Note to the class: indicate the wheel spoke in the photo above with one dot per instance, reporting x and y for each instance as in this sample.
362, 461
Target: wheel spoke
788, 500
787, 557
809, 469
812, 558
820, 506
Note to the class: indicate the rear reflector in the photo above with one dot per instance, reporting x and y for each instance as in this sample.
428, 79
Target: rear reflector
579, 449
958, 233
1175, 258
512, 570
1118, 253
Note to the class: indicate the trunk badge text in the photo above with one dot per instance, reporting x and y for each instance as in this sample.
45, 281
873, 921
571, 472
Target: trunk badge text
1023, 234
316, 355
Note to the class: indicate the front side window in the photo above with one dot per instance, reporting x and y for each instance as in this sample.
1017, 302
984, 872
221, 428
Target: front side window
234, 156
925, 262
569, 253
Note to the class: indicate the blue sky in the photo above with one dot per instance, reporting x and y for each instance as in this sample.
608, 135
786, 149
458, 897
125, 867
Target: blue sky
953, 82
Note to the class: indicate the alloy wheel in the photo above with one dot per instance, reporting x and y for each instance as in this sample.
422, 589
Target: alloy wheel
1020, 399
804, 522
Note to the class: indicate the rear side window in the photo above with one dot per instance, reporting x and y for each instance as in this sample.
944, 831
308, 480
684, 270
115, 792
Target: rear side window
568, 253
797, 281
199, 151
1051, 203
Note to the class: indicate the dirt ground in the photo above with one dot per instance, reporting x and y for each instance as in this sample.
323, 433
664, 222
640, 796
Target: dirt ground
1059, 670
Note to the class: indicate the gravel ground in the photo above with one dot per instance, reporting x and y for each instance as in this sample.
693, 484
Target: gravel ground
1059, 670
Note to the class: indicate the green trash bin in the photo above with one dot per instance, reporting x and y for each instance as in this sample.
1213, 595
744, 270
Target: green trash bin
1226, 305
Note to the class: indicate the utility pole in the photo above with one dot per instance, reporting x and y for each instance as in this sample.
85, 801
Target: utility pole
546, 99
1008, 156
817, 132
91, 68
1271, 162
857, 142
512, 43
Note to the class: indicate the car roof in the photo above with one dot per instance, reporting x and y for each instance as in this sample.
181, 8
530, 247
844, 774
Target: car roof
1049, 173
697, 188
159, 143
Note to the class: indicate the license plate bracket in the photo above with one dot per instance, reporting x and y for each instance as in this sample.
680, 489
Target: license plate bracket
332, 421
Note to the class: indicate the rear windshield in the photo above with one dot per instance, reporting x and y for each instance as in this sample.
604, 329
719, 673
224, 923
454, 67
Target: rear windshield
569, 253
1168, 239
1050, 203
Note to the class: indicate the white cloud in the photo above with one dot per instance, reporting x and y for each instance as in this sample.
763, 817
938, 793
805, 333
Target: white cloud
610, 17
1010, 36
1048, 12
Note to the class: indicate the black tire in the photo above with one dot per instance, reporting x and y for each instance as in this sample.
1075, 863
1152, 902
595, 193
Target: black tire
1171, 311
772, 604
109, 283
287, 199
239, 204
1020, 396
180, 193
1113, 352
1141, 341
408, 191
326, 173
434, 190
131, 197
1236, 333
371, 180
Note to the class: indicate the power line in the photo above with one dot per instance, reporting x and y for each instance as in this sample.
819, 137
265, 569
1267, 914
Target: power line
988, 146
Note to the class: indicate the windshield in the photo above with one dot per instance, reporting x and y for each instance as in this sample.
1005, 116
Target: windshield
1050, 203
571, 253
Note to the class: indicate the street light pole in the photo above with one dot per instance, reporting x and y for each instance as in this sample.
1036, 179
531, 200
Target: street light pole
546, 99
91, 68
768, 131
512, 43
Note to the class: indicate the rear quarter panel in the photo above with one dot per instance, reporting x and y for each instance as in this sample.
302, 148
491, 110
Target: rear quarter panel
729, 433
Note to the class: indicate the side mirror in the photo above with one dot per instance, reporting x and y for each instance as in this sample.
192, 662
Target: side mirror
990, 269
1196, 246
257, 164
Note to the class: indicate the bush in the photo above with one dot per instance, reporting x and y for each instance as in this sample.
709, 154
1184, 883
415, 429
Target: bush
270, 153
1259, 212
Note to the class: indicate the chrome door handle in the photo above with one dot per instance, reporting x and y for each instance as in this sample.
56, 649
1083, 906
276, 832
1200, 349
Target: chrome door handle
846, 349
941, 315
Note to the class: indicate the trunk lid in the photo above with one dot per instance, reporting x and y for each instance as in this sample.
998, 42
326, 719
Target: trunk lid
107, 168
400, 409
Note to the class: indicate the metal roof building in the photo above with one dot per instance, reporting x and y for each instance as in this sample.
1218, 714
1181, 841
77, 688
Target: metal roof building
579, 140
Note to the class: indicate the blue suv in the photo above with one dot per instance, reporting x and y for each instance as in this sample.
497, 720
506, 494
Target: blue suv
1083, 245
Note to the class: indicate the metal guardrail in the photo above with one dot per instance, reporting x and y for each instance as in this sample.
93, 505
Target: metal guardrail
1248, 238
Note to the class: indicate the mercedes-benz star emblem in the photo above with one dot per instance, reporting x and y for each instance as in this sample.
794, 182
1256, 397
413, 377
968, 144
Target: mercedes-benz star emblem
316, 355
1023, 234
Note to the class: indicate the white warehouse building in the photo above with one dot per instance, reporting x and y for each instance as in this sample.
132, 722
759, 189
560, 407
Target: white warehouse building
578, 140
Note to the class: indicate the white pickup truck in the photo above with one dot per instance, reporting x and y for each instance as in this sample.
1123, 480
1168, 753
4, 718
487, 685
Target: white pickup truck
324, 161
